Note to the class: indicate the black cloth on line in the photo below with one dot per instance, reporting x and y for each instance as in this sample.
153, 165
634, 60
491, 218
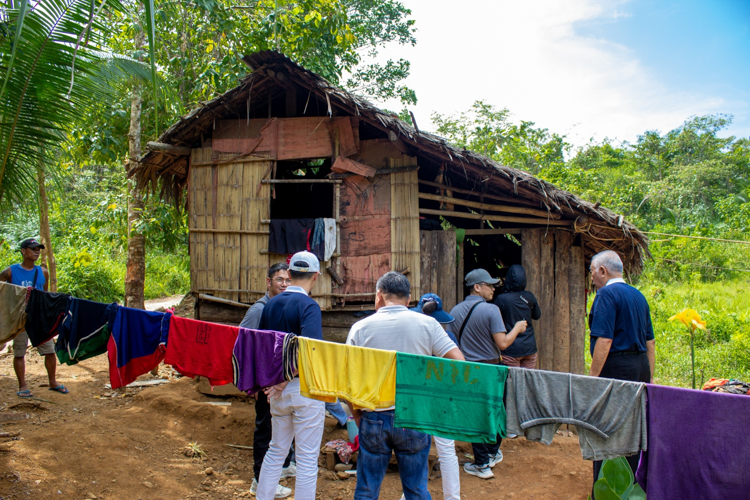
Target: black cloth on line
44, 313
290, 235
83, 323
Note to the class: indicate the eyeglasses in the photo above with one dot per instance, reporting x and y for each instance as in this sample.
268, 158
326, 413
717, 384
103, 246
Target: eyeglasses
282, 281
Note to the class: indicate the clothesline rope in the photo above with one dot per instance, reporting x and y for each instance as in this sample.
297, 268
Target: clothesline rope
697, 237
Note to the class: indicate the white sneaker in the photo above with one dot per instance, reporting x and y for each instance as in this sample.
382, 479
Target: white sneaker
291, 471
484, 472
494, 459
281, 491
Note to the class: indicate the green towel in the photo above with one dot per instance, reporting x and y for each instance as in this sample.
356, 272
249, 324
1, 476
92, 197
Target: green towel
451, 399
92, 346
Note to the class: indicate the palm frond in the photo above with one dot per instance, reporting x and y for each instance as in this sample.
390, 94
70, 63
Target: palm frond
38, 102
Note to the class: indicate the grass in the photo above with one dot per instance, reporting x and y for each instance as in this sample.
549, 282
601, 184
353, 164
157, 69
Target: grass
98, 274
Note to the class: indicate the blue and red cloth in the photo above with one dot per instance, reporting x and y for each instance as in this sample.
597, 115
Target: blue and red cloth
137, 345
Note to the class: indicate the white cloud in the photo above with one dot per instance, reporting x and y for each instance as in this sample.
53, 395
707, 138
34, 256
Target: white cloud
526, 56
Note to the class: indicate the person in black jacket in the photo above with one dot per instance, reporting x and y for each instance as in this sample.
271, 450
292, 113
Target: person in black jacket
517, 304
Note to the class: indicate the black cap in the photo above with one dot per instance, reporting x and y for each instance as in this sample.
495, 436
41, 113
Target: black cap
31, 243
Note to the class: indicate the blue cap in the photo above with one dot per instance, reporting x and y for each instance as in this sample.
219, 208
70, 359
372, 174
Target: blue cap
440, 315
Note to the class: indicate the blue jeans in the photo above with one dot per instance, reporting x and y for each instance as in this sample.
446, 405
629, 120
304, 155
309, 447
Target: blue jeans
377, 439
337, 412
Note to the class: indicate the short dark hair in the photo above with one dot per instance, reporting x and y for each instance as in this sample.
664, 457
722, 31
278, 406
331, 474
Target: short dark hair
297, 275
279, 266
393, 283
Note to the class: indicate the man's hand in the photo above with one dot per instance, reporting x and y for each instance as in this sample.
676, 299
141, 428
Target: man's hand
601, 352
520, 326
275, 390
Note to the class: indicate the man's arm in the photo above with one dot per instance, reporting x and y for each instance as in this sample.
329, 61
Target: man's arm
651, 353
454, 353
45, 273
5, 275
504, 340
601, 351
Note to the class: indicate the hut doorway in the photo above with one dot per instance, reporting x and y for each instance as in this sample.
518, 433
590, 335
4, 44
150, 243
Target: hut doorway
494, 253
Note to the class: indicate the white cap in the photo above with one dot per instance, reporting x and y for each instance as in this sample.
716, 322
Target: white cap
304, 262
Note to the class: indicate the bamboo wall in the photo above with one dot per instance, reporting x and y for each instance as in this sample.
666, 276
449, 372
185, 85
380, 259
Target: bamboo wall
228, 243
556, 275
405, 222
438, 266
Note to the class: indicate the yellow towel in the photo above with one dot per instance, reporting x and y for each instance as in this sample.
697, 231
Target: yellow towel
364, 377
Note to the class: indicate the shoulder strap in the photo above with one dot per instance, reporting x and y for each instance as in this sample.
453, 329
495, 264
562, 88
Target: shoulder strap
466, 320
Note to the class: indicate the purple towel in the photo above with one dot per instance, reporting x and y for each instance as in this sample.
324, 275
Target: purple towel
257, 359
698, 445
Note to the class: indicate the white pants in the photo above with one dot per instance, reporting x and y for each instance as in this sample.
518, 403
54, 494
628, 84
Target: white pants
302, 419
446, 450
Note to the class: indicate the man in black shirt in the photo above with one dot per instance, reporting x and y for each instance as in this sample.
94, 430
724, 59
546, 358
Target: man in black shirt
516, 304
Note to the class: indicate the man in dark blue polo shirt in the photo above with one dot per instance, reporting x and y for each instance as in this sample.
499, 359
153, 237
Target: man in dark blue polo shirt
622, 337
294, 416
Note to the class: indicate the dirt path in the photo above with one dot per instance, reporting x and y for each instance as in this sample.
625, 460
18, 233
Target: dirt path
164, 302
96, 443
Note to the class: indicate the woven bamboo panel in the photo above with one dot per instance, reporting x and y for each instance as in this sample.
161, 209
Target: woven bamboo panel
405, 222
255, 206
228, 192
200, 207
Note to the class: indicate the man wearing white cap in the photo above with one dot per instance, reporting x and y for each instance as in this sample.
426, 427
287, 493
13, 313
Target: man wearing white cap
295, 417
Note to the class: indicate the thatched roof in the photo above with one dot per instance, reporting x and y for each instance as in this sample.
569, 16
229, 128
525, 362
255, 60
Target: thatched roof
271, 71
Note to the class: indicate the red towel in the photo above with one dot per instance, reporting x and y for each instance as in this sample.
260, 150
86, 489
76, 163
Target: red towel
201, 348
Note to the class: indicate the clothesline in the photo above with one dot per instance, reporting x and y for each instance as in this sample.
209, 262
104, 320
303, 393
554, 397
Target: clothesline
697, 237
471, 402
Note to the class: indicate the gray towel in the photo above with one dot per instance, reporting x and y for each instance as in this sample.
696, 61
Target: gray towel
610, 415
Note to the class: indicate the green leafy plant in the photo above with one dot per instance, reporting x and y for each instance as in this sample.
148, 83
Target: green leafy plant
615, 482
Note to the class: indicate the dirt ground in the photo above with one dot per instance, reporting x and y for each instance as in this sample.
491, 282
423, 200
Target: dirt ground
96, 443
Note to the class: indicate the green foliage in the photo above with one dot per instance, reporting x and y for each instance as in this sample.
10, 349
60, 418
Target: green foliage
487, 130
615, 482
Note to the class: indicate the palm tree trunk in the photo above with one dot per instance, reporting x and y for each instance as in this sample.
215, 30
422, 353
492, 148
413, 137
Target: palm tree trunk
135, 275
48, 255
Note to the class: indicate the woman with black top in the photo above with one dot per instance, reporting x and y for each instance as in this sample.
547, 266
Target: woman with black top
517, 304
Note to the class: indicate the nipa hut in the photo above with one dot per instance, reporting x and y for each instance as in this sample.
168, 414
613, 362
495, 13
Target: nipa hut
286, 144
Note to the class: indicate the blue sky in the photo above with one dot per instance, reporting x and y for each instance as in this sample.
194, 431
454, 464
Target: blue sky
585, 68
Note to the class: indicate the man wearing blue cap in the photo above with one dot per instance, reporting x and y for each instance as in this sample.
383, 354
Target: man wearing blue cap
295, 417
481, 335
28, 274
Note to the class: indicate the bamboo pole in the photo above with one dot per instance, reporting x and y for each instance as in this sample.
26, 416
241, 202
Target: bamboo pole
489, 206
499, 218
300, 181
211, 298
482, 232
509, 199
226, 231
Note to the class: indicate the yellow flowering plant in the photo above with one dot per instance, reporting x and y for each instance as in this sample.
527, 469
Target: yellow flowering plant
692, 320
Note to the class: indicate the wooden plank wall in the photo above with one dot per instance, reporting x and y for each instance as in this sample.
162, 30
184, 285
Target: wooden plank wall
545, 338
556, 275
365, 229
438, 266
405, 222
577, 284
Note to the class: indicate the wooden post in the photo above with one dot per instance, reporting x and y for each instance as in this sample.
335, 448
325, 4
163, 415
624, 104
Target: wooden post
561, 358
545, 332
425, 245
447, 268
577, 287
459, 274
531, 254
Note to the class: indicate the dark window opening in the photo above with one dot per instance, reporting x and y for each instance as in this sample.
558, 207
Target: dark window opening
302, 200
